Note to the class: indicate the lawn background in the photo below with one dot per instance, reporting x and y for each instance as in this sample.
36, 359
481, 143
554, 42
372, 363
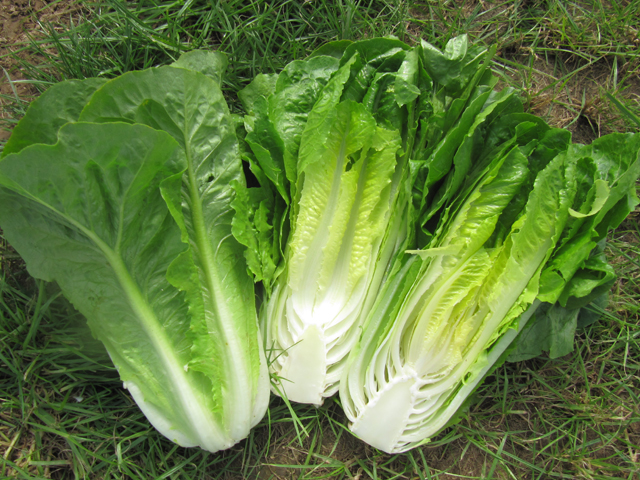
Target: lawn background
63, 412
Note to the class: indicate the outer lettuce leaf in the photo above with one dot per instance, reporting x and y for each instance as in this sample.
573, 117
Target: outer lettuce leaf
333, 49
446, 116
259, 89
297, 90
578, 272
190, 107
88, 213
256, 210
60, 104
212, 64
278, 108
552, 329
370, 57
456, 65
454, 157
608, 169
260, 212
596, 277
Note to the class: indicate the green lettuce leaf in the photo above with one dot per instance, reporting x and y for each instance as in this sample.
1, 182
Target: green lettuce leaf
190, 107
60, 104
90, 213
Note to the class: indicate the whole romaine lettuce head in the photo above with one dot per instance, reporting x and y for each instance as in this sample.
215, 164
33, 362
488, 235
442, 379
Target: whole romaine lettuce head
129, 211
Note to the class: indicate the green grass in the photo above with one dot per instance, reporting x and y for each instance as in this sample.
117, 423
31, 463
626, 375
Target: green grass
63, 413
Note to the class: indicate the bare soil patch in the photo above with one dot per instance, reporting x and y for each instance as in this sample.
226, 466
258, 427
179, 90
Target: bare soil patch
20, 21
570, 94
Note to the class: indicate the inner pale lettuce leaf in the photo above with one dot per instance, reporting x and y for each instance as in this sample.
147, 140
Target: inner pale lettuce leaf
342, 213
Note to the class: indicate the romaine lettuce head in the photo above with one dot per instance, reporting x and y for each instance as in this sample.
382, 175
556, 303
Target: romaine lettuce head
130, 213
351, 128
444, 312
520, 231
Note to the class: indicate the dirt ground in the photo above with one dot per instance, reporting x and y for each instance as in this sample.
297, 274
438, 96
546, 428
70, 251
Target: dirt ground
580, 105
18, 20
